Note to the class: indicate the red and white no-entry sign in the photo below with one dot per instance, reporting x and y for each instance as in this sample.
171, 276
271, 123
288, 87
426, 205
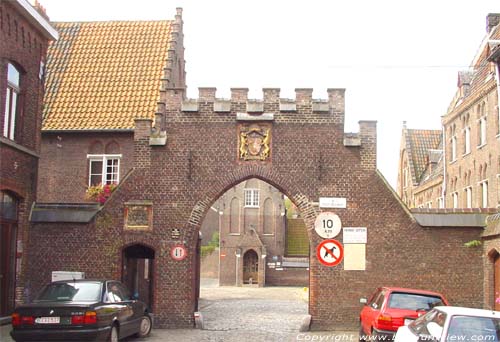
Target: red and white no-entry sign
330, 252
178, 252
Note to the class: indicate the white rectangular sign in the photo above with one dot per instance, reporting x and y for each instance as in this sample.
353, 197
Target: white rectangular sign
355, 235
332, 202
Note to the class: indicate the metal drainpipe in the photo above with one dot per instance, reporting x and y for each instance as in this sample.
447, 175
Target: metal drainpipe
498, 89
443, 191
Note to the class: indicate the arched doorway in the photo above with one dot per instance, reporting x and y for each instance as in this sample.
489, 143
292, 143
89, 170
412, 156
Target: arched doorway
250, 267
137, 272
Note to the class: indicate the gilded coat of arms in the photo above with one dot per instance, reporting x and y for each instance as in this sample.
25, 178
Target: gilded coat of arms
254, 143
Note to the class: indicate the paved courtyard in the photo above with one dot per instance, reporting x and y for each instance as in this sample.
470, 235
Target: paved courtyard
245, 314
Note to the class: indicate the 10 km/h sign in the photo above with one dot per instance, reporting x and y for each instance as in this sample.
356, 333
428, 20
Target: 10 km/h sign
330, 252
327, 225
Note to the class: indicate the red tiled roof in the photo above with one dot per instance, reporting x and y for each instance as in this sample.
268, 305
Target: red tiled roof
103, 75
418, 144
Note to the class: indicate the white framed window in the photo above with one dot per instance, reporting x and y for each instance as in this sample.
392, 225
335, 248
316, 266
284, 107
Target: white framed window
11, 101
484, 193
453, 148
428, 204
454, 197
251, 198
104, 168
467, 140
468, 197
482, 131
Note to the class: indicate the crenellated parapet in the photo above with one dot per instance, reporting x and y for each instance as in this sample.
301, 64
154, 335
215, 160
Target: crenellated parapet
174, 107
209, 105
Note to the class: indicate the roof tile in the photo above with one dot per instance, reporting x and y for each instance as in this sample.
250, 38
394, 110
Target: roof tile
103, 75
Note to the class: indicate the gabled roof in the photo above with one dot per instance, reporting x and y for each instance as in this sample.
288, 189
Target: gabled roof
35, 18
418, 143
479, 76
103, 75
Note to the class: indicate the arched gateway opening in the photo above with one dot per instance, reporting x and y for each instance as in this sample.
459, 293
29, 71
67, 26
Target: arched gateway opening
254, 258
137, 271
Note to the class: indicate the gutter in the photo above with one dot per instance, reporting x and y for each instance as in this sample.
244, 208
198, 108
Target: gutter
443, 191
118, 130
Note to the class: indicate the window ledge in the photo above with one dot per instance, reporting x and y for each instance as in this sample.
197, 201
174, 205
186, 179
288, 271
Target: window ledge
481, 146
465, 154
453, 161
252, 206
234, 234
268, 234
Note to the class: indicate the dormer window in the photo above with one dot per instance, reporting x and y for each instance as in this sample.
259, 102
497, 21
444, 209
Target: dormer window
11, 101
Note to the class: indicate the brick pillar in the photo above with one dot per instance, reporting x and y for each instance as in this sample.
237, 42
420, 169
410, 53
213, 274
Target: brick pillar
368, 136
239, 98
271, 100
303, 98
142, 150
336, 100
206, 99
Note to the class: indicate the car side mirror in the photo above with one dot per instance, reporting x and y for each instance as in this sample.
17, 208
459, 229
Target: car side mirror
363, 300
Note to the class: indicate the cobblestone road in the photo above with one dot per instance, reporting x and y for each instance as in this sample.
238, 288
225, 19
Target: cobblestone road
242, 314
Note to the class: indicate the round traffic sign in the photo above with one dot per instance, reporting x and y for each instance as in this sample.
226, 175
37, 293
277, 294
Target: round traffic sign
330, 252
327, 225
178, 252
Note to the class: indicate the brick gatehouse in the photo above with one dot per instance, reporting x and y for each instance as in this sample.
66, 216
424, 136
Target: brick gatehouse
194, 152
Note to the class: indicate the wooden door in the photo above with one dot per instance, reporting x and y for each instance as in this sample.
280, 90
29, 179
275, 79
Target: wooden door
251, 267
7, 266
497, 283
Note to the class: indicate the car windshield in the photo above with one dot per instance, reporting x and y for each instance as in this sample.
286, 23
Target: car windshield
468, 328
413, 301
419, 326
71, 291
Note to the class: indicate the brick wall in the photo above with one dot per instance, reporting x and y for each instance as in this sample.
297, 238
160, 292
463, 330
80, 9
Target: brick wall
308, 160
480, 158
22, 45
64, 167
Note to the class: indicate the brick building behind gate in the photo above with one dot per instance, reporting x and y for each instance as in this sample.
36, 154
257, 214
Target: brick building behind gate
185, 154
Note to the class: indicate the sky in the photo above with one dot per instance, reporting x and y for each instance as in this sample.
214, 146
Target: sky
398, 60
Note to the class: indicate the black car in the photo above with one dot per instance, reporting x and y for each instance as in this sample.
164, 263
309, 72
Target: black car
101, 310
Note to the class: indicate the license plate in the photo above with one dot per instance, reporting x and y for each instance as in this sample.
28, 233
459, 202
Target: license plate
47, 320
408, 321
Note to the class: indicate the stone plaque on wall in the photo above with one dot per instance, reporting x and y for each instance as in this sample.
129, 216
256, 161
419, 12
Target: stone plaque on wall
139, 215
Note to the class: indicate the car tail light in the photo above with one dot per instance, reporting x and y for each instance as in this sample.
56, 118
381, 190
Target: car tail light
18, 320
384, 322
27, 320
90, 317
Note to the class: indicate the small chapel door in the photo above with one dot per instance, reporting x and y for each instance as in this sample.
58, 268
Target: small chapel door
250, 267
497, 283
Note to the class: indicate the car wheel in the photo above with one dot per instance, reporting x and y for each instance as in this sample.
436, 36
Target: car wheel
362, 337
145, 327
113, 334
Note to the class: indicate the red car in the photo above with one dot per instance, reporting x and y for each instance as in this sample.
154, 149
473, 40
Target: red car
391, 307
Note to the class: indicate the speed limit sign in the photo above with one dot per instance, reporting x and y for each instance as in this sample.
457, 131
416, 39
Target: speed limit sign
327, 225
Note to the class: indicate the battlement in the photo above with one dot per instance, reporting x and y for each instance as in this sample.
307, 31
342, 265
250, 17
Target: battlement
270, 102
